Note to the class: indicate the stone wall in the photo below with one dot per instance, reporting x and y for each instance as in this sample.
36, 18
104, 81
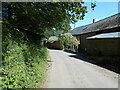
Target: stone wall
54, 45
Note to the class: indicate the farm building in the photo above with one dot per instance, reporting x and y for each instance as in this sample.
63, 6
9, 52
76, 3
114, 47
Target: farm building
53, 42
106, 44
108, 25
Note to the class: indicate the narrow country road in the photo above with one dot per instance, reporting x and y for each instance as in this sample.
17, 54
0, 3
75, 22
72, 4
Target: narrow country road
67, 71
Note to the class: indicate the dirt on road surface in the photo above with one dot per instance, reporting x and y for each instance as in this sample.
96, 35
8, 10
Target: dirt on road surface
70, 72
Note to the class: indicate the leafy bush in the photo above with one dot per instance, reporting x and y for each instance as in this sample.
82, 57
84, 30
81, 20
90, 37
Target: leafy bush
50, 41
23, 65
68, 42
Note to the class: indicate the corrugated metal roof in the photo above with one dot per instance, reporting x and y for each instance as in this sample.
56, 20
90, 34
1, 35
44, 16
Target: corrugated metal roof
105, 35
107, 23
53, 38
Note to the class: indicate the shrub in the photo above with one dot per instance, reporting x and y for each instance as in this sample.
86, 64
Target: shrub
50, 41
68, 42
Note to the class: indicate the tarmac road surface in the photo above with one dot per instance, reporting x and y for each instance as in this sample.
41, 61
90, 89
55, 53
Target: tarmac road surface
66, 71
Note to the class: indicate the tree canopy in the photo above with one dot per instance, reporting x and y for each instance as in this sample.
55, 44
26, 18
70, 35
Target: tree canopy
35, 18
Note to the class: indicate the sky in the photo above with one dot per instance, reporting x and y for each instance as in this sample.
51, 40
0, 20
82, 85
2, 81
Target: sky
102, 0
102, 10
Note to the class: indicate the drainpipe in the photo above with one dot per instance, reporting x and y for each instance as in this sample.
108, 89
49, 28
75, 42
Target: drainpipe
93, 20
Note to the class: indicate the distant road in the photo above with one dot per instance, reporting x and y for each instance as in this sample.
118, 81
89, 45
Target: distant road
69, 72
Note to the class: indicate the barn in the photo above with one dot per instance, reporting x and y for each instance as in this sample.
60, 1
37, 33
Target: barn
53, 42
105, 26
106, 44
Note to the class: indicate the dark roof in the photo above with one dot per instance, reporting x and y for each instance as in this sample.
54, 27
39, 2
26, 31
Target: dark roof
107, 23
105, 35
78, 30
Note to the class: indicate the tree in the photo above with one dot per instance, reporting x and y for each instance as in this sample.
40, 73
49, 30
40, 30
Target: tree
68, 42
35, 18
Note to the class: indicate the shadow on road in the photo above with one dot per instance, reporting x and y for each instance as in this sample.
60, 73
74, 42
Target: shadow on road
49, 61
81, 57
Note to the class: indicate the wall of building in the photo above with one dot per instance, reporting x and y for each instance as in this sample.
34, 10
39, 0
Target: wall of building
54, 45
83, 41
78, 37
103, 47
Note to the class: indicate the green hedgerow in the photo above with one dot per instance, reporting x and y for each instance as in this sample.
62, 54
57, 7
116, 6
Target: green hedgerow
23, 65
